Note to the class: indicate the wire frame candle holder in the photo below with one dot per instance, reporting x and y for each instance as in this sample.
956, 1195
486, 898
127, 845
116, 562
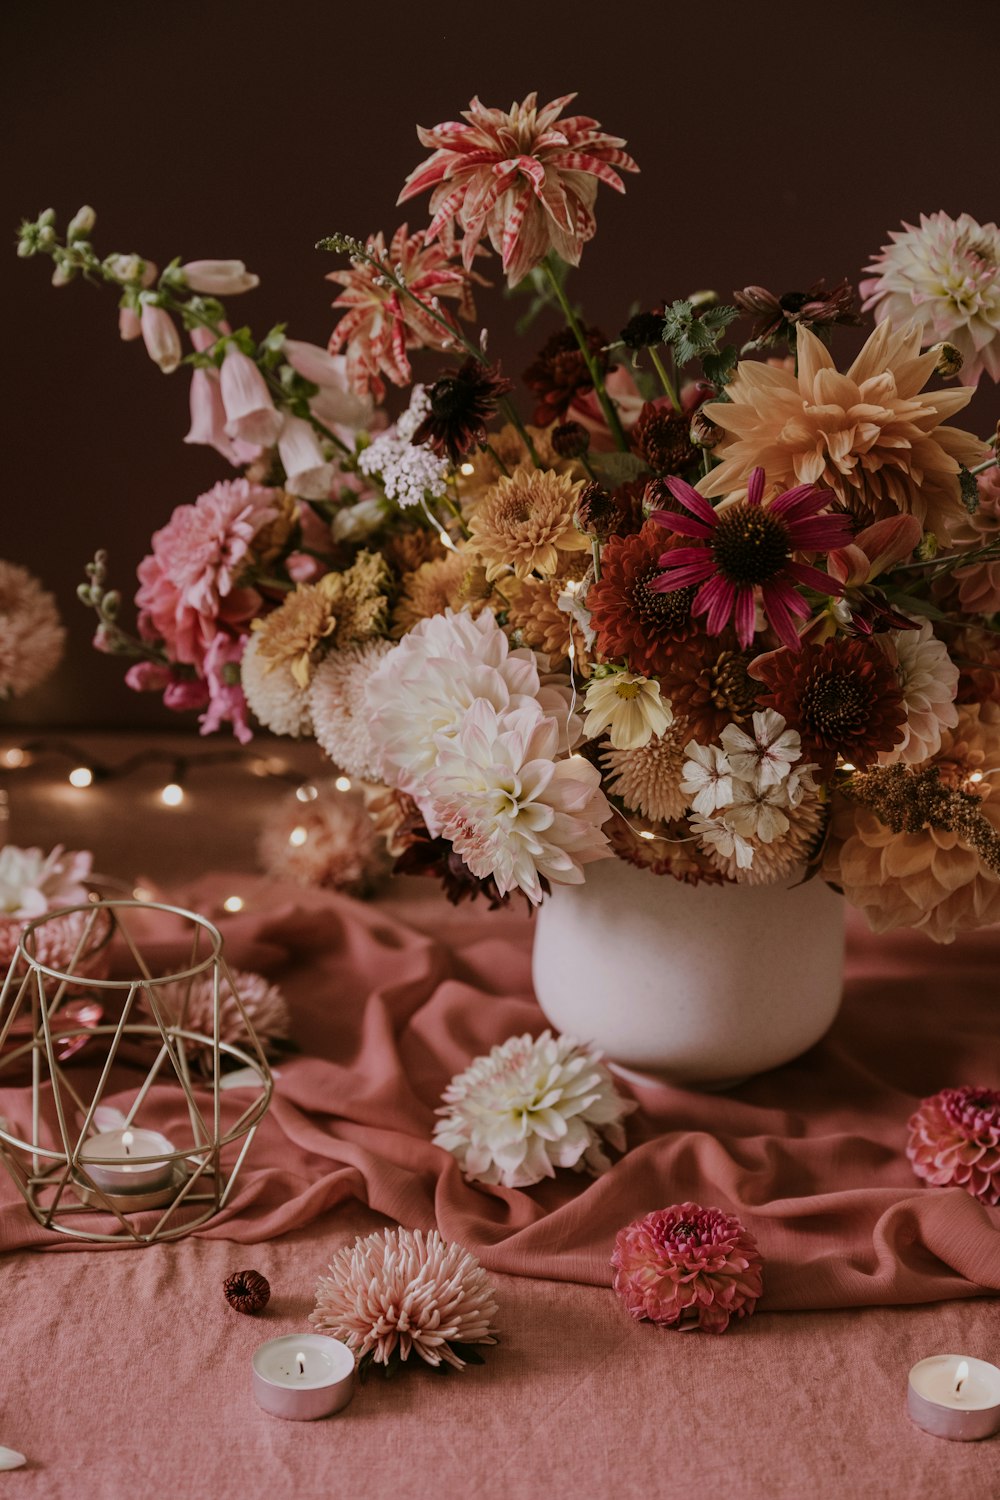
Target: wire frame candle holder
88, 1144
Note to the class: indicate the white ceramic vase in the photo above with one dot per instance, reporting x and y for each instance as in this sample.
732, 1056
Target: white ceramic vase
701, 985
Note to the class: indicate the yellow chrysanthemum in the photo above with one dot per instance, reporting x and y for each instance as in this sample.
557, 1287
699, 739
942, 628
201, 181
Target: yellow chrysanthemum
525, 521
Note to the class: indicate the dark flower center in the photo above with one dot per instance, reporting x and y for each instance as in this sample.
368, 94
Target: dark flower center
750, 545
836, 706
731, 686
793, 302
450, 396
672, 610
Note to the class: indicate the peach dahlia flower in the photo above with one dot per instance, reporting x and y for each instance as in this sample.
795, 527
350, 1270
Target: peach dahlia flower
873, 435
522, 177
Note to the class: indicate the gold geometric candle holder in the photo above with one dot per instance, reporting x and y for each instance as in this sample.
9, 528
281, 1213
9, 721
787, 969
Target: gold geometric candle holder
161, 1159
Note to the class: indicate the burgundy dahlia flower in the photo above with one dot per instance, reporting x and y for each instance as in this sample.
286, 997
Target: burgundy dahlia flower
687, 1267
955, 1141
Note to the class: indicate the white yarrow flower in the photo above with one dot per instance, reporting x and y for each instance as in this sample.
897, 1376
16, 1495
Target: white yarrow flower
409, 474
629, 706
530, 1106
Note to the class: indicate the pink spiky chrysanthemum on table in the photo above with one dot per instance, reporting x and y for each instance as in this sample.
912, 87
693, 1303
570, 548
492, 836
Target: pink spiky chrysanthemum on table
955, 1141
381, 322
522, 177
687, 1267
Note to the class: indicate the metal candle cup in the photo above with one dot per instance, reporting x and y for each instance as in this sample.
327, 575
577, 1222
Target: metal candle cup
113, 1160
955, 1396
303, 1376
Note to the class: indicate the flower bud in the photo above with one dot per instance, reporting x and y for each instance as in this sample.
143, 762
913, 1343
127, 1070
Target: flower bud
218, 278
81, 225
46, 238
704, 432
159, 334
701, 301
596, 512
949, 360
129, 326
46, 218
129, 269
570, 440
63, 273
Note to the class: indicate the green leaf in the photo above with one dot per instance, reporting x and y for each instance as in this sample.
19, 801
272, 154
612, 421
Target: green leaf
721, 367
614, 469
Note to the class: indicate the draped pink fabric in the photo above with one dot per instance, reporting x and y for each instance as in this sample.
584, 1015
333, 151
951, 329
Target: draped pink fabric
390, 1000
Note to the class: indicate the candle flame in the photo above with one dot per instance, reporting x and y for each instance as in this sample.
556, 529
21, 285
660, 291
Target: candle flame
961, 1376
300, 1360
128, 1138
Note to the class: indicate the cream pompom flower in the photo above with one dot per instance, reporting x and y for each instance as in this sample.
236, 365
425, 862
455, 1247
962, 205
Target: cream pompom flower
272, 693
946, 274
530, 1106
928, 681
400, 1292
338, 711
192, 1006
629, 707
648, 780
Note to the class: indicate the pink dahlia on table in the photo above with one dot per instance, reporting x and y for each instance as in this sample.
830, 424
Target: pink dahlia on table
522, 177
688, 1267
381, 322
190, 583
955, 1141
946, 274
748, 546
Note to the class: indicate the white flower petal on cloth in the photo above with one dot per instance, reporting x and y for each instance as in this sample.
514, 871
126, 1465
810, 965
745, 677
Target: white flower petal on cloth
11, 1459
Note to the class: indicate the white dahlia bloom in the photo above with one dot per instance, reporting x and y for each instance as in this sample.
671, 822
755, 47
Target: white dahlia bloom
419, 694
529, 1107
511, 809
928, 681
946, 274
339, 711
273, 696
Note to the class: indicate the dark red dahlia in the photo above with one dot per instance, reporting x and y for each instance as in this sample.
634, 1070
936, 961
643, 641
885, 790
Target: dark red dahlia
631, 619
662, 439
570, 440
559, 372
843, 698
605, 513
462, 403
644, 330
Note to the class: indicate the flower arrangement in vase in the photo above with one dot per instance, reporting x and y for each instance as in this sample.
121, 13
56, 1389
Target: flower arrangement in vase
721, 607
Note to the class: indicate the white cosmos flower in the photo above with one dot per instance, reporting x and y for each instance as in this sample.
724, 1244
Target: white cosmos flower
629, 707
707, 778
530, 1106
928, 681
766, 757
510, 809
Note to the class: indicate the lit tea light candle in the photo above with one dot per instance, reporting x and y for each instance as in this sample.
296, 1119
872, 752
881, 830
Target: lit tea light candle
303, 1376
955, 1396
128, 1161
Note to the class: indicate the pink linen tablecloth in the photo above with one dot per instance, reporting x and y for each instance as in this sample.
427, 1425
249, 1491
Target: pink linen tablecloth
390, 1000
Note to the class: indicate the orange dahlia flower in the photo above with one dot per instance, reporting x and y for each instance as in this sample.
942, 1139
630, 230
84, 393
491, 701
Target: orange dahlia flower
523, 177
873, 435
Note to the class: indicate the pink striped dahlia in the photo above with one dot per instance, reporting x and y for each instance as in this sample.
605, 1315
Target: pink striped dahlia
955, 1141
524, 178
746, 546
381, 323
687, 1267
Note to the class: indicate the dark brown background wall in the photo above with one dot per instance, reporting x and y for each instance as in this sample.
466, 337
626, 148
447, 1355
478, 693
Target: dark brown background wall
778, 142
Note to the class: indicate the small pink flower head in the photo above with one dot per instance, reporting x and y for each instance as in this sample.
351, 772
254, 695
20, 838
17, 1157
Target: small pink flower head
148, 677
159, 334
687, 1267
522, 177
381, 323
250, 412
218, 278
955, 1141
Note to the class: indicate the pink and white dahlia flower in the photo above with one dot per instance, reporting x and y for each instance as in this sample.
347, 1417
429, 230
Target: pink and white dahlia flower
400, 1292
509, 807
523, 177
32, 883
381, 323
928, 681
955, 1141
946, 274
530, 1106
688, 1267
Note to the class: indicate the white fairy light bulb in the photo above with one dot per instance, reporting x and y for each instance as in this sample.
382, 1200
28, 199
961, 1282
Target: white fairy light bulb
298, 836
306, 792
172, 795
81, 776
343, 783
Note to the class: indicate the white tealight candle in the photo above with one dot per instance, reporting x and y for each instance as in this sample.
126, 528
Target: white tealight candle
114, 1160
955, 1396
303, 1376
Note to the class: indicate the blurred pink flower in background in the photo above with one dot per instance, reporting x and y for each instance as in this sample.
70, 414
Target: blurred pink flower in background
522, 177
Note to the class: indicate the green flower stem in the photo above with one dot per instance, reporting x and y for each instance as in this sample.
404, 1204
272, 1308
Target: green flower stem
596, 554
573, 322
665, 380
489, 448
456, 513
989, 463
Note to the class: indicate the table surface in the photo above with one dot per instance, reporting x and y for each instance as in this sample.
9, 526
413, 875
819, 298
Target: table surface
126, 1373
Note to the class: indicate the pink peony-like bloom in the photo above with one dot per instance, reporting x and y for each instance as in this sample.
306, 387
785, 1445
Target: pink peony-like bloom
250, 411
189, 584
746, 546
522, 177
687, 1267
955, 1141
400, 1292
946, 274
381, 323
160, 336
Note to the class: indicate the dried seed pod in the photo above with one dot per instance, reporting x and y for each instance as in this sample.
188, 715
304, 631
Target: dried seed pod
247, 1291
